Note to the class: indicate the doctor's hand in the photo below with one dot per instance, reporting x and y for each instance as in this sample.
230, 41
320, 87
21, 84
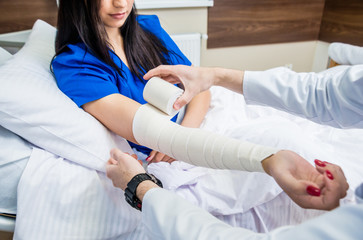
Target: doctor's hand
194, 80
319, 187
121, 168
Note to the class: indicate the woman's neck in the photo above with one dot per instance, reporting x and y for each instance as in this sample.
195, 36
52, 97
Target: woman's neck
117, 44
114, 37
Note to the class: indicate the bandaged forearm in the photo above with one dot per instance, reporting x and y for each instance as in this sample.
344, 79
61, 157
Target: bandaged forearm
152, 128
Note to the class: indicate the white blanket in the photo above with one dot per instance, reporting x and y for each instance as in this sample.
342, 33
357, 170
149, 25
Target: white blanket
58, 199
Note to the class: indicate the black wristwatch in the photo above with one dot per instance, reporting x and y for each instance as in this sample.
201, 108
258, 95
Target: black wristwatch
130, 191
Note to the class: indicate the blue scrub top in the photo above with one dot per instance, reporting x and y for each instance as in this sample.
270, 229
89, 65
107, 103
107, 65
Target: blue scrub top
84, 78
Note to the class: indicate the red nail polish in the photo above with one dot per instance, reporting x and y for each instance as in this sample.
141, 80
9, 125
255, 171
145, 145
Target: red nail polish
313, 191
319, 163
329, 175
148, 159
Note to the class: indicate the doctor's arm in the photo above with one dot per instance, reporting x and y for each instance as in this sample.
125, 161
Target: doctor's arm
168, 216
197, 79
319, 188
336, 99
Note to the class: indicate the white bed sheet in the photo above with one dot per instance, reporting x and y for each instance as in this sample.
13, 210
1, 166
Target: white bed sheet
246, 199
58, 199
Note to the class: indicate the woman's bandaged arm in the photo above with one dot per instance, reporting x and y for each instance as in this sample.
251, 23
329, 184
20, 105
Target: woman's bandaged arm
152, 128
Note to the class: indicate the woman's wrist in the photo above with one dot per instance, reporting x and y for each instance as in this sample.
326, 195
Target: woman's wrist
266, 164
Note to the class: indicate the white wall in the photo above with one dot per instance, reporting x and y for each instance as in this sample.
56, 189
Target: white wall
259, 57
303, 56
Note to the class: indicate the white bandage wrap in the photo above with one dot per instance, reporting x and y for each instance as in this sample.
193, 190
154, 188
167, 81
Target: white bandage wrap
162, 95
152, 128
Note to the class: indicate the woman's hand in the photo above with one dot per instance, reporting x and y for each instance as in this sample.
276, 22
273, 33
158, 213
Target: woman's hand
319, 187
121, 168
156, 156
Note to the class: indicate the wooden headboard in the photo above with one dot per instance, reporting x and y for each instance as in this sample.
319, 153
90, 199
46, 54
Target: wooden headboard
17, 15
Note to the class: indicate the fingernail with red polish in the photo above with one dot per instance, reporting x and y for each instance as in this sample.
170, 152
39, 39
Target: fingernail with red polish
313, 191
329, 175
319, 163
148, 159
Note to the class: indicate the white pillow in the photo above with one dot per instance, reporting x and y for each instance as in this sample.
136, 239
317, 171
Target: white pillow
32, 106
4, 55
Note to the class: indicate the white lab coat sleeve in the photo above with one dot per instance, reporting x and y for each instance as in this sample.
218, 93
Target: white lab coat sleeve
168, 216
333, 99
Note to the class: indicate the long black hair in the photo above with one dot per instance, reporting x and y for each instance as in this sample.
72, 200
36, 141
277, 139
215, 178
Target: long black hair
79, 21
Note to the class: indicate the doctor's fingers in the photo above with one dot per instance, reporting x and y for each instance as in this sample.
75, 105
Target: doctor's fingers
114, 173
163, 72
117, 154
122, 157
184, 99
112, 161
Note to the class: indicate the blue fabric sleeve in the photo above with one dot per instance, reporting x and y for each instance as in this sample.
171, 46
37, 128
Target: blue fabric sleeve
82, 77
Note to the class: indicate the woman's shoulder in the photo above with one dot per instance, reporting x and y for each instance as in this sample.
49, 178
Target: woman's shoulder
76, 55
75, 51
149, 22
148, 19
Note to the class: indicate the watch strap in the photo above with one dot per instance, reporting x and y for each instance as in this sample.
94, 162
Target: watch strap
130, 191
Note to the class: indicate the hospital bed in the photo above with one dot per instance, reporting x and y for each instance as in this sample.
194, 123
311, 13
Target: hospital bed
63, 191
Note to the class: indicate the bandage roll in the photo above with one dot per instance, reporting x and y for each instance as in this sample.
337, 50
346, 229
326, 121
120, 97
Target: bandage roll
162, 95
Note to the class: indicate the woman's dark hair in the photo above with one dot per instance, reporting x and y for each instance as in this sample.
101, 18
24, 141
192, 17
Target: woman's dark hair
79, 21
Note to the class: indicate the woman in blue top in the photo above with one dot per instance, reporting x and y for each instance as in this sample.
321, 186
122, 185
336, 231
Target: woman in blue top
103, 49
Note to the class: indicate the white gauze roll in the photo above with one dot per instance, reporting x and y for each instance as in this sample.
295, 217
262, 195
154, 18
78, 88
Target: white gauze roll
152, 128
162, 95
